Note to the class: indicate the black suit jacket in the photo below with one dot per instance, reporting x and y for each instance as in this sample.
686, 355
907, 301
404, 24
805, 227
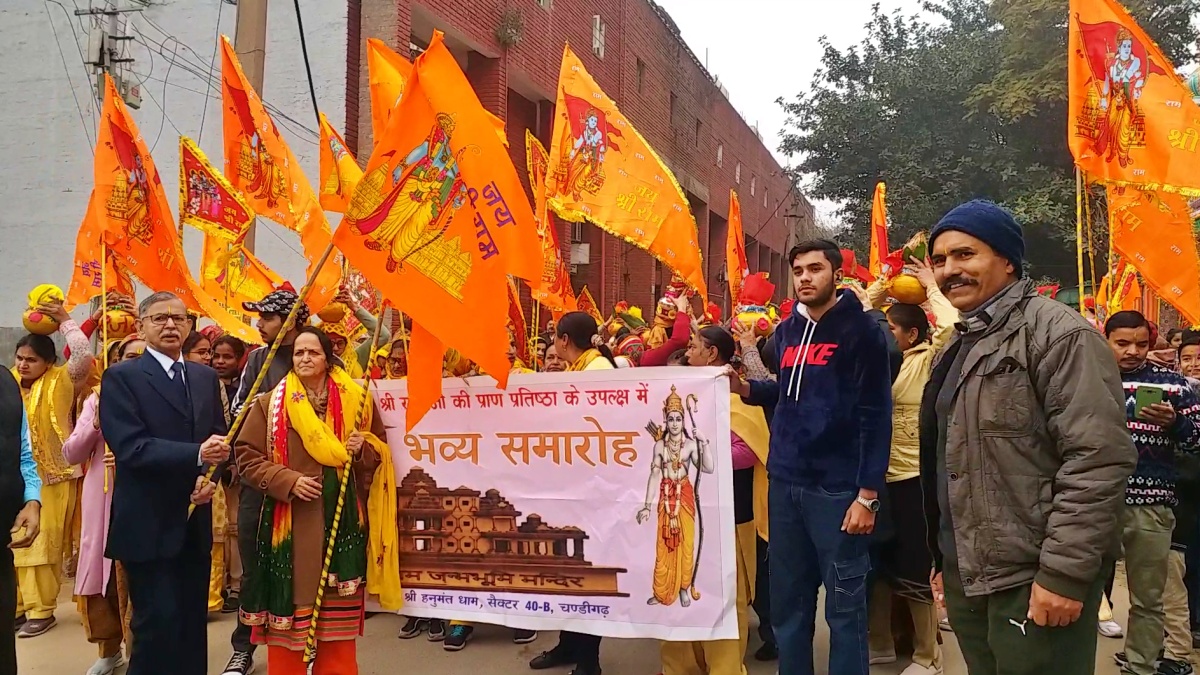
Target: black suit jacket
155, 437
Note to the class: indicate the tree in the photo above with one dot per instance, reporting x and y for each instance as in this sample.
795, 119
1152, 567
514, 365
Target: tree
967, 100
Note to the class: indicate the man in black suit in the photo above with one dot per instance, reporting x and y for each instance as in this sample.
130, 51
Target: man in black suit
163, 420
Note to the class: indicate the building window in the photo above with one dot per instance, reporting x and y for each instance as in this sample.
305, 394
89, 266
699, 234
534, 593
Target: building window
597, 36
466, 503
764, 196
753, 184
422, 544
502, 546
737, 173
698, 129
641, 74
674, 101
720, 155
421, 524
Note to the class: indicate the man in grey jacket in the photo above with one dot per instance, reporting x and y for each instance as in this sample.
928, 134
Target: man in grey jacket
1024, 458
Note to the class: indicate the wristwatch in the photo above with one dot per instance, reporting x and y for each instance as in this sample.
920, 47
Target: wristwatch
871, 505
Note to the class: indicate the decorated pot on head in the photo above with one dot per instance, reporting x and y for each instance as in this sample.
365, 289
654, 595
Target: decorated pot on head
664, 313
334, 312
751, 309
36, 322
628, 346
120, 323
904, 287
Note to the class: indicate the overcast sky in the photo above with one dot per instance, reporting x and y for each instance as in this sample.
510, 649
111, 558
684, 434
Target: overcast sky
764, 49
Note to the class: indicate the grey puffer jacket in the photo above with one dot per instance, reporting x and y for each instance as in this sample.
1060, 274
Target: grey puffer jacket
1037, 454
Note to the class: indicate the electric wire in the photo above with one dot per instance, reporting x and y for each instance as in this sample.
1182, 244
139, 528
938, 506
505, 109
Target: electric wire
70, 82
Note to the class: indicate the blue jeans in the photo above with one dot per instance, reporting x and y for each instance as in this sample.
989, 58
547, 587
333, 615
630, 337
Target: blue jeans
809, 549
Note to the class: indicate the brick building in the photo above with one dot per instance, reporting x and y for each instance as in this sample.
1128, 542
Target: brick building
635, 53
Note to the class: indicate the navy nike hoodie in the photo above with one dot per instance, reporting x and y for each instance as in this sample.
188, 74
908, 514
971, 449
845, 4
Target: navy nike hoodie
833, 399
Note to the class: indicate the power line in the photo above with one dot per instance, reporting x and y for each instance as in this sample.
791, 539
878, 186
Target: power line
211, 64
70, 82
312, 90
163, 107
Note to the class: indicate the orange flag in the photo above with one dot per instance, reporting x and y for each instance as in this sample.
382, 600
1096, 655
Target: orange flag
516, 321
603, 171
588, 304
260, 164
879, 230
736, 265
232, 275
87, 280
137, 220
1153, 232
339, 173
387, 73
207, 201
439, 219
553, 290
1131, 120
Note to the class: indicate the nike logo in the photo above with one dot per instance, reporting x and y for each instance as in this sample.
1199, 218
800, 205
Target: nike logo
1019, 625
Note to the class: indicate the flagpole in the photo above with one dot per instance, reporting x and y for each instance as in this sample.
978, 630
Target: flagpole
104, 323
310, 642
288, 323
1091, 249
1079, 233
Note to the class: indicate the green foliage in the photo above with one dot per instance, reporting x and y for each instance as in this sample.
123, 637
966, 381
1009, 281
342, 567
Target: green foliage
966, 100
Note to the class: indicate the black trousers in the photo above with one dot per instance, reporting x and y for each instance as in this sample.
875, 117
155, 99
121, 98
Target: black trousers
170, 611
250, 502
581, 649
8, 607
762, 594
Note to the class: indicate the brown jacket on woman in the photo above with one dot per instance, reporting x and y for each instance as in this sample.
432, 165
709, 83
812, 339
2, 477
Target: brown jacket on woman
308, 518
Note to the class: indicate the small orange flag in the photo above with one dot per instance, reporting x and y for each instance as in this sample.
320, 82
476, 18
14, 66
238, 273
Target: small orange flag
387, 73
439, 219
207, 201
87, 280
736, 265
879, 231
553, 290
516, 323
1131, 119
603, 171
588, 304
260, 164
232, 275
339, 172
1153, 232
138, 222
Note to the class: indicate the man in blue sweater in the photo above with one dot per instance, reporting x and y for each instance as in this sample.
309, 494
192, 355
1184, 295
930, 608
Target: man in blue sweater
1163, 417
830, 439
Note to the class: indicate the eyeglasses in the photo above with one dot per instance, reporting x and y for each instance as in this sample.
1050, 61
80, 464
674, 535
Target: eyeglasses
202, 353
162, 319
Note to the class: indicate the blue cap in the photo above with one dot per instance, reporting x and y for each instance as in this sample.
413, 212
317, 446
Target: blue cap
990, 223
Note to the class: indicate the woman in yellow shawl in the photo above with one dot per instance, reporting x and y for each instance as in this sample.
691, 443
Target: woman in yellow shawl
298, 440
50, 392
715, 346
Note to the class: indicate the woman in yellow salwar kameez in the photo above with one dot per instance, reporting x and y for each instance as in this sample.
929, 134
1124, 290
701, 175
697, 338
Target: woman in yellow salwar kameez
50, 392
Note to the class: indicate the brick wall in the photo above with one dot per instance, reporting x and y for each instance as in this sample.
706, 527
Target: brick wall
655, 79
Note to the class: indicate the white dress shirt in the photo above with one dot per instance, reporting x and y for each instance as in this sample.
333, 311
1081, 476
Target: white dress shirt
166, 362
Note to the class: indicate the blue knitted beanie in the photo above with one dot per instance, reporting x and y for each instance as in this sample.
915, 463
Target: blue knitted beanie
990, 223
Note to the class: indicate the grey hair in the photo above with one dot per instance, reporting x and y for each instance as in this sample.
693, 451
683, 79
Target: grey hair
153, 299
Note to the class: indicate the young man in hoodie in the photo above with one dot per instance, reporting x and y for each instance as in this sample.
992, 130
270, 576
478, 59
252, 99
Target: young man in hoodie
830, 440
1024, 457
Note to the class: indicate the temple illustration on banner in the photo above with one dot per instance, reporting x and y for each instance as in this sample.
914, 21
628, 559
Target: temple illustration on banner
464, 539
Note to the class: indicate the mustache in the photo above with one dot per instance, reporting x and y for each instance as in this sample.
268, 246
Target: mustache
956, 281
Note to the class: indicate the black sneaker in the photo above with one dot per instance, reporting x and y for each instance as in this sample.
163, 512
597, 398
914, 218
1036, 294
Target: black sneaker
524, 637
231, 604
457, 639
1120, 659
437, 630
551, 659
1173, 667
413, 627
768, 652
241, 663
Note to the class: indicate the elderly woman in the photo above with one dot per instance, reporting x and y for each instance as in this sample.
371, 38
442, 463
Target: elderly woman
298, 441
49, 391
99, 587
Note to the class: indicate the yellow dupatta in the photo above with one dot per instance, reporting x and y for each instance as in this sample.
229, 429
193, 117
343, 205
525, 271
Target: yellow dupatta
48, 404
750, 424
324, 446
585, 359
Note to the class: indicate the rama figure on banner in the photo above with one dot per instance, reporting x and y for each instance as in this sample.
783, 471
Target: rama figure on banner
582, 166
680, 531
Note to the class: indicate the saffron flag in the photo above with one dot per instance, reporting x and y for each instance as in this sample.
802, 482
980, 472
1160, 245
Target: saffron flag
339, 173
1152, 230
1131, 120
588, 304
260, 164
603, 171
879, 228
553, 290
207, 201
138, 224
1127, 293
92, 256
439, 219
232, 275
516, 323
736, 265
387, 73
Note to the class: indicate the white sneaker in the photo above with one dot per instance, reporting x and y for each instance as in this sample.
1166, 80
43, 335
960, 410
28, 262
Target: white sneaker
1110, 629
106, 666
881, 658
916, 669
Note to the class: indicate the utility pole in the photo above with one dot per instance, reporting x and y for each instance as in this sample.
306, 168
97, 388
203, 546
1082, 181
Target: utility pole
250, 45
108, 50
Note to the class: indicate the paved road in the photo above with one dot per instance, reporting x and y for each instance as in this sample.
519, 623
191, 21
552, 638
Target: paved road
64, 651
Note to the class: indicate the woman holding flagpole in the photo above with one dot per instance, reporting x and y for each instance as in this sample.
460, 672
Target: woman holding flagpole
299, 443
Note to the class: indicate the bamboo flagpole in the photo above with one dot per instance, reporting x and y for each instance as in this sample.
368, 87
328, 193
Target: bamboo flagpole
310, 642
262, 373
104, 328
1079, 233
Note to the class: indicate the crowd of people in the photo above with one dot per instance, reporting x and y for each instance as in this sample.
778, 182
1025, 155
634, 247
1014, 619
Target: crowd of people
980, 461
